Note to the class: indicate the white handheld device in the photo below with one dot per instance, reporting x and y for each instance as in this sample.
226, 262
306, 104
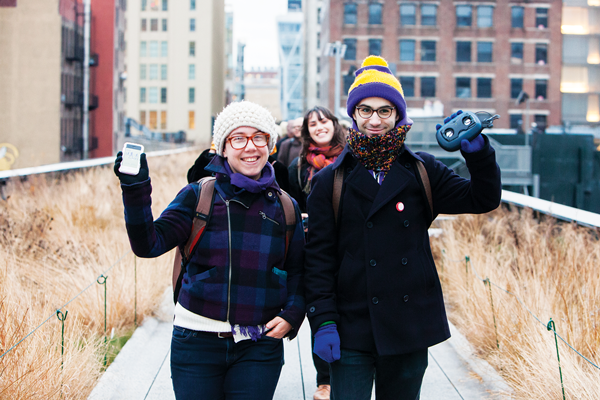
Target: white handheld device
131, 158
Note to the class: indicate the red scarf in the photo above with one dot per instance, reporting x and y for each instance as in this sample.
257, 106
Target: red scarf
320, 157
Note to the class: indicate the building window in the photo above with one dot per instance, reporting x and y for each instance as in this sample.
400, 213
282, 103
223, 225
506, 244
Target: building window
408, 85
541, 18
142, 95
516, 120
319, 15
463, 51
428, 14
153, 71
153, 123
350, 14
192, 72
541, 89
350, 53
349, 78
192, 5
153, 95
463, 15
516, 14
153, 48
143, 117
143, 49
163, 120
516, 53
484, 51
407, 50
192, 95
428, 50
318, 40
191, 120
463, 88
192, 49
163, 72
154, 24
375, 10
375, 47
164, 49
318, 65
163, 95
164, 24
541, 122
485, 16
516, 86
428, 86
408, 14
318, 90
484, 88
541, 53
144, 26
142, 71
144, 5
165, 5
192, 24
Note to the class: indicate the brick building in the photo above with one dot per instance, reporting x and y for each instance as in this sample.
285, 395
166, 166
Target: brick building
473, 55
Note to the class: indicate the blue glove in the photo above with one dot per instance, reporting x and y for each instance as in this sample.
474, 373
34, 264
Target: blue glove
448, 119
473, 146
131, 179
327, 343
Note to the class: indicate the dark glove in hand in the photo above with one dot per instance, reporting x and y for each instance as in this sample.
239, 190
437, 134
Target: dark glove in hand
132, 179
327, 343
468, 147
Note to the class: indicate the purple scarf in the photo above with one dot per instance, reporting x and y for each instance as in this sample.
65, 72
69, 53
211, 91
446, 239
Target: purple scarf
241, 181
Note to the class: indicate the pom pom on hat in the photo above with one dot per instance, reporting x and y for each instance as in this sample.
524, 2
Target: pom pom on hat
243, 113
375, 79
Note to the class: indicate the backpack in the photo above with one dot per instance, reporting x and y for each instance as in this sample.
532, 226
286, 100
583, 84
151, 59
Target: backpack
422, 177
204, 209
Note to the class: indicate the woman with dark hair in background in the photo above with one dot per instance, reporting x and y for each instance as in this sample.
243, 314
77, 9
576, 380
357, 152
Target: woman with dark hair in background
323, 139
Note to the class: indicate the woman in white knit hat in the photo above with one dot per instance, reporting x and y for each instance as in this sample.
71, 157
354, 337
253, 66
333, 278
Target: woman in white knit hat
242, 289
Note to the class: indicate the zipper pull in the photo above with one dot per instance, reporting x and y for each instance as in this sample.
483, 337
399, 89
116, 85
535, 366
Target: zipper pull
263, 215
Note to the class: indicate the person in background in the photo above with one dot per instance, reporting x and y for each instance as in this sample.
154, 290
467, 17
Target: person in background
290, 149
323, 139
373, 295
242, 289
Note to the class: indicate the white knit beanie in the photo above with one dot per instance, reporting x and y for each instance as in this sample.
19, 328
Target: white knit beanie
243, 113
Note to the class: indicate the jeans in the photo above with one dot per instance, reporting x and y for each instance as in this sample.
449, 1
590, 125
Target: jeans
204, 366
396, 377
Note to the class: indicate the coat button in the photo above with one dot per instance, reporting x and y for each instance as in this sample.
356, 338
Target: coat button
407, 165
375, 300
348, 170
406, 224
404, 261
369, 224
406, 298
372, 263
270, 194
312, 309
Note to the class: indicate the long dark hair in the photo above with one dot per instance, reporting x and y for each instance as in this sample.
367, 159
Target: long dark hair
339, 137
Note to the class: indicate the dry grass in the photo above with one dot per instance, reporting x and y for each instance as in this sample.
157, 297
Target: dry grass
57, 235
553, 268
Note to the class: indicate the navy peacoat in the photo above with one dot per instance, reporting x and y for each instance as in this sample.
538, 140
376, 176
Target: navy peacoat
373, 273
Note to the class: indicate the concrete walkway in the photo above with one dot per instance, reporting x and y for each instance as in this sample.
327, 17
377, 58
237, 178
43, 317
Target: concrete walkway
141, 370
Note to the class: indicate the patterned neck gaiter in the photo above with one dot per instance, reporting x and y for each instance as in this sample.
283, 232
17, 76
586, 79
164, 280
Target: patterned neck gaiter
377, 153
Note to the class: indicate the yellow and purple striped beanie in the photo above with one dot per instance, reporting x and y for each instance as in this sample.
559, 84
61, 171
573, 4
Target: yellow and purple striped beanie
374, 79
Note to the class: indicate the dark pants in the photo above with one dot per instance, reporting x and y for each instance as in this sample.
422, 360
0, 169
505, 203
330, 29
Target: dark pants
396, 377
321, 366
204, 366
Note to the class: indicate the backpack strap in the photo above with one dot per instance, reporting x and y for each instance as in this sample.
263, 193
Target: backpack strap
426, 185
201, 218
290, 217
338, 181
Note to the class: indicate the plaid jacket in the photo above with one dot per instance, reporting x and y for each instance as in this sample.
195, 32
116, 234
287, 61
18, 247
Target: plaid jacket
237, 272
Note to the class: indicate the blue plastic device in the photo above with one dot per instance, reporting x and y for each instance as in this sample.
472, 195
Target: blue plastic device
465, 126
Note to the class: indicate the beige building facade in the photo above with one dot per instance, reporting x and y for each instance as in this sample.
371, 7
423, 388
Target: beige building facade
30, 84
176, 65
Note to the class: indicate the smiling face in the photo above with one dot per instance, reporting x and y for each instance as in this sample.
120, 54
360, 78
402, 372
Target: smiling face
375, 125
250, 160
320, 129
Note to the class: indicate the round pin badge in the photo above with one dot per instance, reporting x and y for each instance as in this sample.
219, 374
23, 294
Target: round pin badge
400, 206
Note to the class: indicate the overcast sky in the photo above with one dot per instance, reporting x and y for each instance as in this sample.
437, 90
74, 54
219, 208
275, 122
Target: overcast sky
254, 22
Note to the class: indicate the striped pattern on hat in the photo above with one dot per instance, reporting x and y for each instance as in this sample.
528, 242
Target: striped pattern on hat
243, 113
